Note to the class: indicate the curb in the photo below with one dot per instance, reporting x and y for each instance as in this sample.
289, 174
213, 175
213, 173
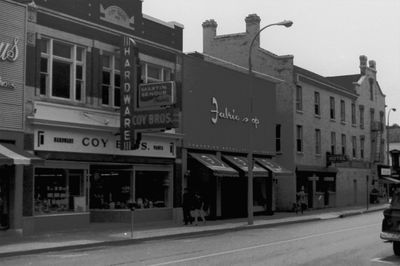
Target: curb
174, 235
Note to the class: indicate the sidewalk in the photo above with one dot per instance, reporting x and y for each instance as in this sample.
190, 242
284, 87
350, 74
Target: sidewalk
115, 234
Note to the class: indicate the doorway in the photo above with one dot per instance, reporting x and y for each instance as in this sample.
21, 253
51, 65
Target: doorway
5, 174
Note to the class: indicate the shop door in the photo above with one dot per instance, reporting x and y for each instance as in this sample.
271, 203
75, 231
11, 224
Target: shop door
4, 198
233, 197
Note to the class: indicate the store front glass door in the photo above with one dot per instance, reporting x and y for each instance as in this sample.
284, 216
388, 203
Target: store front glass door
4, 198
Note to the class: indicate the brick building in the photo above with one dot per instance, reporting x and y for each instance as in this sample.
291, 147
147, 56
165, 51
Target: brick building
73, 89
341, 116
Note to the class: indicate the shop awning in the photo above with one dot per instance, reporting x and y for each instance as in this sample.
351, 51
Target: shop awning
274, 167
389, 180
10, 154
242, 163
214, 164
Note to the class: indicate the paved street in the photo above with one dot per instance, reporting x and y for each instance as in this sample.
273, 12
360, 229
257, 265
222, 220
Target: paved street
349, 241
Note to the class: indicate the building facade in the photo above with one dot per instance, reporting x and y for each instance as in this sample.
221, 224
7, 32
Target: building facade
222, 123
330, 131
76, 71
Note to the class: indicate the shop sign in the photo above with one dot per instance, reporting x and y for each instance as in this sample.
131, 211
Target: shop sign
335, 158
101, 143
129, 84
9, 51
155, 119
384, 171
116, 15
230, 114
156, 94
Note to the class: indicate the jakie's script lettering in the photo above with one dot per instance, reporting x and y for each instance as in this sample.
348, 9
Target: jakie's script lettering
9, 51
229, 114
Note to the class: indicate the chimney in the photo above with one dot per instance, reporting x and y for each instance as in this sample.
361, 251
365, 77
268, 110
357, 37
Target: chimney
372, 64
209, 33
253, 26
363, 64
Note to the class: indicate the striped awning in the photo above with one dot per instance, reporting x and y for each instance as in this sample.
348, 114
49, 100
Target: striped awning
10, 154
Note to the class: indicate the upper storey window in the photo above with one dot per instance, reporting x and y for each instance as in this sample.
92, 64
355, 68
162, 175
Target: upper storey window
62, 70
111, 80
155, 73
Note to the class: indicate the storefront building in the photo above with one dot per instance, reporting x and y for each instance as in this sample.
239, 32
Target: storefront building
319, 119
228, 113
13, 157
73, 87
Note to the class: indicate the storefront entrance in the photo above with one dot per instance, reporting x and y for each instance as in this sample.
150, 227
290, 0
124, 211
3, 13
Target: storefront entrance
5, 175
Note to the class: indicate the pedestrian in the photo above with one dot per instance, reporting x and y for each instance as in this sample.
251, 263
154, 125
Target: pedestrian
302, 199
198, 211
187, 206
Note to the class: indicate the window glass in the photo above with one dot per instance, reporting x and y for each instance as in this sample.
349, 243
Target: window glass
154, 72
44, 45
79, 53
61, 84
58, 191
152, 189
61, 49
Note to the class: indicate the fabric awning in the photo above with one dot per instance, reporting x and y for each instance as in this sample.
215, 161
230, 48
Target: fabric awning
274, 167
242, 163
389, 180
10, 154
214, 164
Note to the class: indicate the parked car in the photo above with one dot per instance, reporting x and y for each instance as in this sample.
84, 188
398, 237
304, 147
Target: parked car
391, 223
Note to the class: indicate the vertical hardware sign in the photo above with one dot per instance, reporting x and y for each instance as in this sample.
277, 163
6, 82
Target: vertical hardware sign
129, 56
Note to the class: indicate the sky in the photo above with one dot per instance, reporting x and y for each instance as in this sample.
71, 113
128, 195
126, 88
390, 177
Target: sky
327, 36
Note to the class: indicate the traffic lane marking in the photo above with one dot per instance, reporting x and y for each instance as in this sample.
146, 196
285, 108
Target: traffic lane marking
261, 246
382, 260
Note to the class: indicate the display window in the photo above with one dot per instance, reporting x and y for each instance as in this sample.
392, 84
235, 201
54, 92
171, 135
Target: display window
152, 189
59, 191
110, 189
113, 187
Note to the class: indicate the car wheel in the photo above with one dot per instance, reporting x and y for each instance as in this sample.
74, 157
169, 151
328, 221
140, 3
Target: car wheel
396, 248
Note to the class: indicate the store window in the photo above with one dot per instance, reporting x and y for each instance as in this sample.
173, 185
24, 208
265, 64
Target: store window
62, 70
110, 188
152, 189
111, 80
59, 191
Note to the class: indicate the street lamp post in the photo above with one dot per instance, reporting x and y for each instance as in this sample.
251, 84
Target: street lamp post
387, 135
250, 212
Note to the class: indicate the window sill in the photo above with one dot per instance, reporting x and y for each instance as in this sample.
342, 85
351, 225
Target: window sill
300, 153
343, 122
299, 111
317, 116
333, 120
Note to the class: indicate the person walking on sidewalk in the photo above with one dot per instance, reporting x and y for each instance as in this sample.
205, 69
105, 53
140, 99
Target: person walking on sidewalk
198, 211
301, 195
187, 207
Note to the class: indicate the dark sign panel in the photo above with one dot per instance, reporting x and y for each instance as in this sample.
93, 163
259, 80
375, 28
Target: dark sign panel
227, 110
129, 55
155, 119
156, 94
335, 158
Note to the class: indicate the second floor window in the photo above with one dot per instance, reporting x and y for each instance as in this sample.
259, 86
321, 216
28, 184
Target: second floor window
342, 111
353, 113
361, 117
299, 138
299, 98
343, 144
318, 141
333, 143
62, 70
278, 138
332, 108
155, 73
354, 146
111, 80
317, 110
362, 143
